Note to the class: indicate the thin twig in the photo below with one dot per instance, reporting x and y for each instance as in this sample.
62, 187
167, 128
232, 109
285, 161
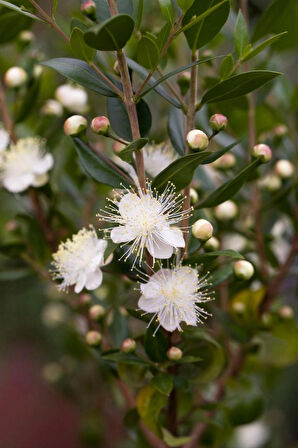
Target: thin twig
173, 90
8, 123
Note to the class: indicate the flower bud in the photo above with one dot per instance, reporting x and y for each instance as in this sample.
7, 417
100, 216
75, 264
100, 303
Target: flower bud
212, 244
262, 152
284, 168
75, 124
116, 68
84, 300
202, 229
225, 211
96, 312
243, 269
26, 37
280, 130
117, 147
174, 353
183, 81
100, 125
225, 162
15, 77
197, 139
238, 307
271, 182
52, 372
286, 312
37, 71
88, 7
218, 122
128, 345
52, 108
93, 338
194, 197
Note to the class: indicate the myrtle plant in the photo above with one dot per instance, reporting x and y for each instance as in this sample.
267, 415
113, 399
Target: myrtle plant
152, 190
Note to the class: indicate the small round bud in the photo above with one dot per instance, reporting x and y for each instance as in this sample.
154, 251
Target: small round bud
226, 211
11, 226
75, 124
88, 7
15, 77
183, 81
218, 122
194, 197
280, 130
52, 372
174, 353
202, 229
271, 182
128, 345
100, 125
93, 338
243, 269
117, 147
84, 299
197, 139
37, 71
262, 152
286, 312
26, 37
225, 162
284, 168
52, 108
238, 307
212, 244
96, 312
116, 68
207, 53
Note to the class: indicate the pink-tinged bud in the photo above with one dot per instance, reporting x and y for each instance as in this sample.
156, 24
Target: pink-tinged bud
212, 244
93, 338
52, 108
117, 147
226, 211
270, 183
15, 77
75, 124
88, 7
243, 269
128, 345
96, 312
225, 162
280, 130
218, 122
284, 168
174, 353
262, 152
12, 225
84, 299
100, 125
286, 312
202, 229
183, 81
197, 139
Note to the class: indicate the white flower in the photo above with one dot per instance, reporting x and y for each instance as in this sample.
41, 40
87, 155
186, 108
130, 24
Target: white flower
78, 260
146, 221
157, 158
72, 98
173, 296
52, 108
252, 435
4, 139
25, 164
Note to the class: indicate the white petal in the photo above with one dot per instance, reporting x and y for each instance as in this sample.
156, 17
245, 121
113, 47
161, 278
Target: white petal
80, 283
94, 279
172, 236
18, 183
187, 279
122, 234
168, 321
44, 164
40, 180
128, 205
158, 249
152, 288
151, 305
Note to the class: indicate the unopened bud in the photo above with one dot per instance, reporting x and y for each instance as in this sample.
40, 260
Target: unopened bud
100, 125
183, 81
116, 68
84, 299
212, 244
26, 37
207, 53
280, 130
284, 168
93, 338
75, 124
202, 229
262, 152
52, 372
117, 147
52, 108
194, 197
37, 71
218, 122
96, 312
238, 307
225, 162
271, 182
15, 77
128, 345
88, 7
286, 312
243, 269
226, 211
174, 353
197, 139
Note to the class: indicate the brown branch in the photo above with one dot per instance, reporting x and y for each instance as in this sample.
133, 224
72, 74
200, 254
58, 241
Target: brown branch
8, 123
39, 213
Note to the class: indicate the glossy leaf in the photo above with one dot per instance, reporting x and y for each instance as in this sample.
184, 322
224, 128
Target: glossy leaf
238, 85
29, 101
81, 73
125, 358
148, 53
185, 4
79, 47
173, 441
167, 10
112, 34
217, 154
226, 66
256, 50
156, 346
19, 10
98, 168
241, 34
102, 10
162, 35
176, 130
163, 382
201, 258
179, 172
220, 275
11, 24
149, 404
126, 153
272, 18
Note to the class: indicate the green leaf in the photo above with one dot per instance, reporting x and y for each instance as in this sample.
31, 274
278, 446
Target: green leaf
217, 154
220, 275
98, 168
226, 66
112, 34
81, 73
136, 145
156, 345
201, 258
256, 50
238, 85
149, 404
148, 53
167, 10
176, 130
180, 172
241, 34
76, 23
119, 119
210, 16
188, 359
173, 441
20, 10
102, 10
273, 18
79, 47
230, 188
185, 4
125, 358
162, 35
11, 24
54, 7
163, 382
29, 101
